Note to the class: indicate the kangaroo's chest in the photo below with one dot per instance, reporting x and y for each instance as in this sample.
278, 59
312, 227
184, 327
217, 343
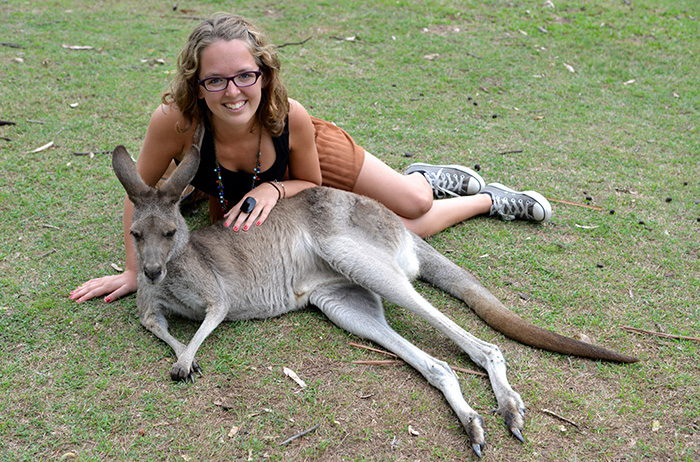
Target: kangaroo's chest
260, 290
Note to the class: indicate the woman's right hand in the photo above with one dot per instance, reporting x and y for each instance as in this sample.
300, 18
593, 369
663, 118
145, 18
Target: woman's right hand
113, 287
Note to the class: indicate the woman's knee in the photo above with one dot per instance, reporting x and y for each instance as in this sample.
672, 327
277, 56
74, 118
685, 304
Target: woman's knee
409, 196
416, 201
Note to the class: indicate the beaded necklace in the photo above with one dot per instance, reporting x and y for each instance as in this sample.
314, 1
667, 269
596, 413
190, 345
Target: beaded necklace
220, 182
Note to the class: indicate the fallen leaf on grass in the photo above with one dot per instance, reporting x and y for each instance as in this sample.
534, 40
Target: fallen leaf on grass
292, 375
352, 38
42, 148
412, 431
233, 432
116, 267
153, 61
629, 82
224, 403
77, 47
656, 426
432, 56
569, 67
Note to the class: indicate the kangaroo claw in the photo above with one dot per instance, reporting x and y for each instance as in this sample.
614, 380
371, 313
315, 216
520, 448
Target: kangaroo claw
475, 431
180, 373
516, 432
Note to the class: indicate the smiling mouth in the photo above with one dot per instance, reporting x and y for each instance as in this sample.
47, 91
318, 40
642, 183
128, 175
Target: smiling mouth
235, 106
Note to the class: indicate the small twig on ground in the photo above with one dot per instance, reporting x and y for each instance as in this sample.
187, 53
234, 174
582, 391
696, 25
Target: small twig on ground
514, 151
7, 122
379, 362
87, 153
659, 334
46, 254
352, 39
376, 350
469, 371
299, 435
563, 419
12, 45
288, 44
560, 201
388, 362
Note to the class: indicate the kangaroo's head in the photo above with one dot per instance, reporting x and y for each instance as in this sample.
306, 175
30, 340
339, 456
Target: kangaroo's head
158, 228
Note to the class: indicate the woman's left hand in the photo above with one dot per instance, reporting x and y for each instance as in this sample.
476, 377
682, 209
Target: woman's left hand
265, 195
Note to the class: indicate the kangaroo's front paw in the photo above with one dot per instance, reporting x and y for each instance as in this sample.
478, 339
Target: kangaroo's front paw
182, 371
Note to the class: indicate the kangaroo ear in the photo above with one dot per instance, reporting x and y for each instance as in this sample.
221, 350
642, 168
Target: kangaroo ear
125, 169
181, 177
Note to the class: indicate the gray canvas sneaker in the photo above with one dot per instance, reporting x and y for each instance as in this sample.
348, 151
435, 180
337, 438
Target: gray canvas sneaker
511, 205
449, 180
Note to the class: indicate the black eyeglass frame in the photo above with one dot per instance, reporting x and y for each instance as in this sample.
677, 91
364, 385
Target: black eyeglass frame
203, 82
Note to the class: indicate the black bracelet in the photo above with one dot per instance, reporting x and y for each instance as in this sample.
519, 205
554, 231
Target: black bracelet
279, 193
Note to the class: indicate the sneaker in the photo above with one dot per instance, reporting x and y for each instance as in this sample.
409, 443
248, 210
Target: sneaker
449, 180
511, 205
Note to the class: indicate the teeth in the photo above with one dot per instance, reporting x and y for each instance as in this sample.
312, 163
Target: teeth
237, 105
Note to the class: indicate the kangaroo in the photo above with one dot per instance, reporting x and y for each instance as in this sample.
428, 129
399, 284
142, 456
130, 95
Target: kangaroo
327, 248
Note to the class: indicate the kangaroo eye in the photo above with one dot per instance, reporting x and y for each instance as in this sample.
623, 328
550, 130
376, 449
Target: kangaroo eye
136, 234
170, 233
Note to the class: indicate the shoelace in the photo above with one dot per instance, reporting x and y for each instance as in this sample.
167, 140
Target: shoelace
510, 208
445, 184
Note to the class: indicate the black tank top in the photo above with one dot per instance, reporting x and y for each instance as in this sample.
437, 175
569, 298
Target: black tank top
237, 184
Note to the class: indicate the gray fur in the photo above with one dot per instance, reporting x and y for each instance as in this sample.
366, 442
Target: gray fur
335, 250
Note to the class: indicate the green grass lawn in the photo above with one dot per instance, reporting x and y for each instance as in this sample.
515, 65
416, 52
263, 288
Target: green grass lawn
590, 103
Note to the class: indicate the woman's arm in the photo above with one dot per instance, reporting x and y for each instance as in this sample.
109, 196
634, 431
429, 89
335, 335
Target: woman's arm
162, 144
304, 172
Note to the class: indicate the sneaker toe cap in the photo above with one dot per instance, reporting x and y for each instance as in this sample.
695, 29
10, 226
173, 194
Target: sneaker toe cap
538, 213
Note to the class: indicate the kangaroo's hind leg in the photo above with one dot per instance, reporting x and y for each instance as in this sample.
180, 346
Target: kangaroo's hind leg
388, 275
360, 311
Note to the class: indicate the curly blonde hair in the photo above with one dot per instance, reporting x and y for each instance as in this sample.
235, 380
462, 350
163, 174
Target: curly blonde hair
184, 89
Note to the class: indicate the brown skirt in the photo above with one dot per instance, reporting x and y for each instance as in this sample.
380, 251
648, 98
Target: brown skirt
341, 159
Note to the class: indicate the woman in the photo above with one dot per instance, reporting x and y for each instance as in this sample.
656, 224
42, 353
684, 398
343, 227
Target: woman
255, 142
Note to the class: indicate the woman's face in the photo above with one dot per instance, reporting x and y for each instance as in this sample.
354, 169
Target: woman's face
233, 105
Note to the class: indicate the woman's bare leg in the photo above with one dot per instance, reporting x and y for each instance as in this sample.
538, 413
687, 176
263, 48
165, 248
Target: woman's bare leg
411, 197
448, 212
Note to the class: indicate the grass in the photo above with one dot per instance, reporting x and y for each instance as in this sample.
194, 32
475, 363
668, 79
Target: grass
485, 83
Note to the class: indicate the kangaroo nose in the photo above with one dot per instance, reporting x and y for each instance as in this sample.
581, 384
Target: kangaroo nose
152, 272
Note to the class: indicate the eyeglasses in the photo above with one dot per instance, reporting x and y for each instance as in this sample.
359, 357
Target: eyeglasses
242, 80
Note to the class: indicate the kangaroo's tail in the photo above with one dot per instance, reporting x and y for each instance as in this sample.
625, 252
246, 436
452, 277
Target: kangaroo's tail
442, 273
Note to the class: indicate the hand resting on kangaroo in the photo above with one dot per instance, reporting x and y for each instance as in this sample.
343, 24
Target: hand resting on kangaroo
327, 248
